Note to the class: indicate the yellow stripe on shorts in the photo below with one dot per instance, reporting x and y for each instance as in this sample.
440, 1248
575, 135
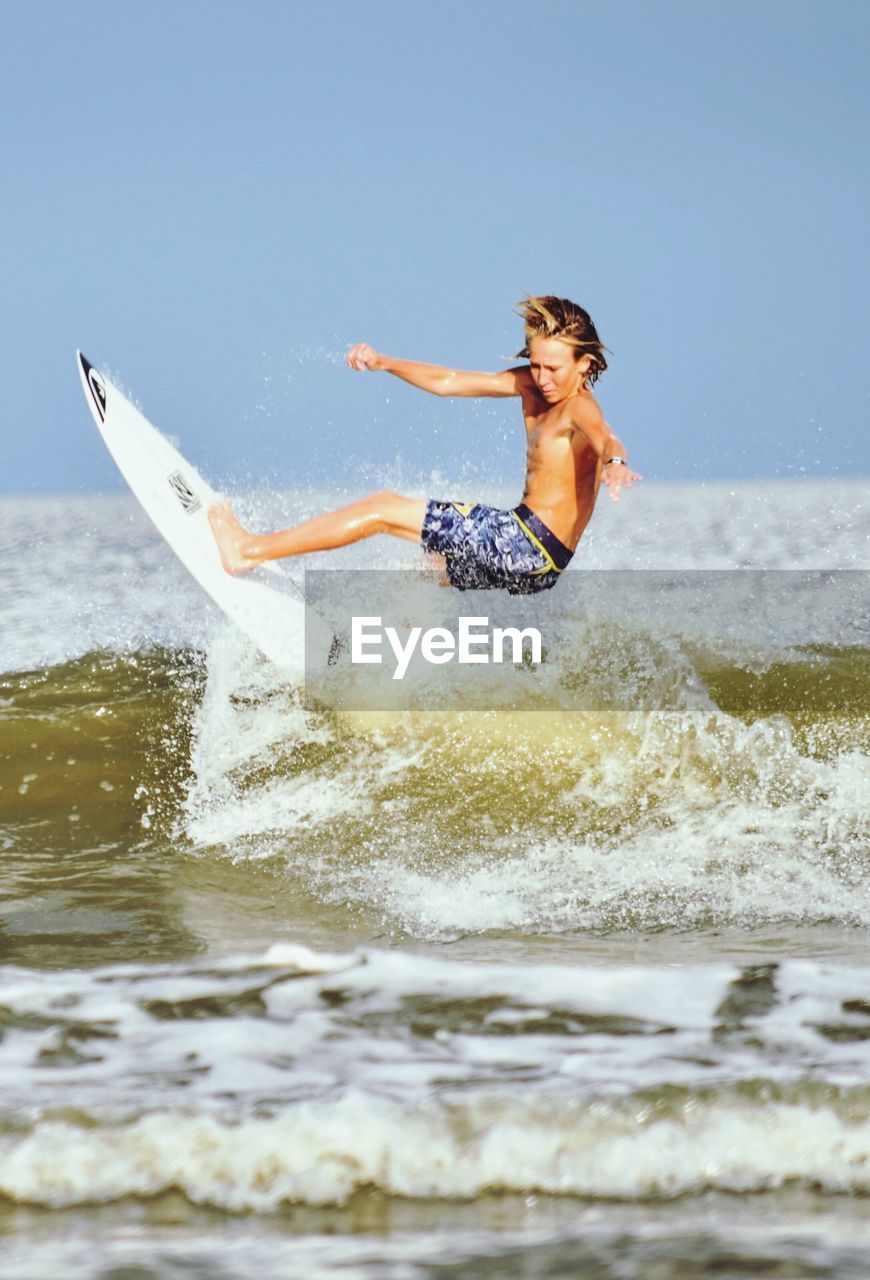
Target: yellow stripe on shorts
527, 531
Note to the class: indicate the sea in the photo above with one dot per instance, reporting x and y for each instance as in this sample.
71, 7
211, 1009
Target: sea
291, 993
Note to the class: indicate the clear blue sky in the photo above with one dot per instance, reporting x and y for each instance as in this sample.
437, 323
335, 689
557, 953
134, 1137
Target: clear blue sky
214, 198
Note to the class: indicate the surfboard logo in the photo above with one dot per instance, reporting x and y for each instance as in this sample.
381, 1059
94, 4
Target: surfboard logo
184, 493
98, 391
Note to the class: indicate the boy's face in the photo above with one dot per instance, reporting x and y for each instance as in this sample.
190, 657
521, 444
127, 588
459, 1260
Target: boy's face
556, 373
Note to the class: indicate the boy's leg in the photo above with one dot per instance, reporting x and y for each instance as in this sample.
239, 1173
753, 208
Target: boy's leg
385, 512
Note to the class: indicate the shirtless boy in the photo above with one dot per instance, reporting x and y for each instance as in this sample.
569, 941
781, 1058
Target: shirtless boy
570, 450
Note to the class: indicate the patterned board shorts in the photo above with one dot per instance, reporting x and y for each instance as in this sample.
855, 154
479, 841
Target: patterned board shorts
486, 547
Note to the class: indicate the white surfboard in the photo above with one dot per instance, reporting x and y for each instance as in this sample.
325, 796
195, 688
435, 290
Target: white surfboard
266, 604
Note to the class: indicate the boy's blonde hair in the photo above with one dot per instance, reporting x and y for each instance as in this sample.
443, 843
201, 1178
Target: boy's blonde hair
549, 317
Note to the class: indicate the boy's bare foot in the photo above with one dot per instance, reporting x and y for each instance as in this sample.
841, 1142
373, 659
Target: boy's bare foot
232, 538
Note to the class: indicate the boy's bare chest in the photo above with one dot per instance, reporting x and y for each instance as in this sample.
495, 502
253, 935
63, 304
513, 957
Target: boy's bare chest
552, 429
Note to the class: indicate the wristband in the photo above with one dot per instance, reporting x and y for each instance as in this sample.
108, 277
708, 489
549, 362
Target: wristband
622, 462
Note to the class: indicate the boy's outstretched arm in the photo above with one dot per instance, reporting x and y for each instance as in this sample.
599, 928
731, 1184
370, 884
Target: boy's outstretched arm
615, 471
438, 379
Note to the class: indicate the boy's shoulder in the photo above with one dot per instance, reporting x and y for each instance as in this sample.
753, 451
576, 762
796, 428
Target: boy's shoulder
585, 409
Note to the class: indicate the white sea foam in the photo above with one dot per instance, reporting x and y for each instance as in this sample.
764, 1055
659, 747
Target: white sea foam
296, 1025
674, 817
320, 1154
303, 1076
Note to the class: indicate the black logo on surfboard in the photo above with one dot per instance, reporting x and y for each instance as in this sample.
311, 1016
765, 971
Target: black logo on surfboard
184, 493
96, 386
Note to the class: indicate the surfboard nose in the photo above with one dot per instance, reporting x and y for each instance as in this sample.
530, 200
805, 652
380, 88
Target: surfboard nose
93, 383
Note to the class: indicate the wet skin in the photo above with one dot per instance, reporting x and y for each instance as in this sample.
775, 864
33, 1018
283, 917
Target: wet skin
568, 442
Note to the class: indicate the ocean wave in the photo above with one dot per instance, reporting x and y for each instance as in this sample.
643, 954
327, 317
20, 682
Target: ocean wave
302, 1076
743, 804
677, 816
255, 1036
630, 1149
